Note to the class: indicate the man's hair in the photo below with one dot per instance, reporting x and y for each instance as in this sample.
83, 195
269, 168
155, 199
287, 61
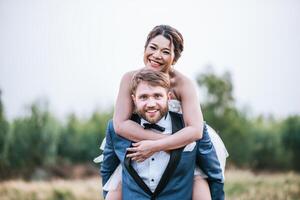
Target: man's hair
151, 77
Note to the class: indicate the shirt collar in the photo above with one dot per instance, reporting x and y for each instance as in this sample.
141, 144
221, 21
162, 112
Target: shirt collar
164, 122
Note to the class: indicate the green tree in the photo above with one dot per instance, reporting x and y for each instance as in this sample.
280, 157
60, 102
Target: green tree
218, 91
219, 111
268, 151
291, 139
4, 131
80, 139
34, 139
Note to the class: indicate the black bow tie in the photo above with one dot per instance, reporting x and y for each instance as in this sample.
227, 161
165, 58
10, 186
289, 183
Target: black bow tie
153, 126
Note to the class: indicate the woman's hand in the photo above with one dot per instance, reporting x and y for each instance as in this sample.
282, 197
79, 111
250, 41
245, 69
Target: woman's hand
142, 150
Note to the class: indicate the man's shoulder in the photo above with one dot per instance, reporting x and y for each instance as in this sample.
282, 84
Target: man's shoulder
110, 126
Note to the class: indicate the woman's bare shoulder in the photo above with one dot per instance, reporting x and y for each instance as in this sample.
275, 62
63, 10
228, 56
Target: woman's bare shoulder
181, 79
179, 84
128, 75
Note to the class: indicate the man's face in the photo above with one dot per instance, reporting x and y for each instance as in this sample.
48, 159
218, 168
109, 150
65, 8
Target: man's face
151, 102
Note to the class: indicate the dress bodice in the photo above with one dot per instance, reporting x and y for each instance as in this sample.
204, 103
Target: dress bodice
175, 106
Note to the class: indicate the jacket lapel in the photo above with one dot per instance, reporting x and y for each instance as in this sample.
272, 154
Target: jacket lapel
130, 169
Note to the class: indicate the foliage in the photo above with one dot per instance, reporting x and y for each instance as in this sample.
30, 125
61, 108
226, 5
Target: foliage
33, 140
268, 152
251, 142
291, 139
4, 130
219, 111
39, 140
79, 139
218, 91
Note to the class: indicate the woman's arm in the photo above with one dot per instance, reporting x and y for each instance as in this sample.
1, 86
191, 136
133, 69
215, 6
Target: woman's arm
123, 110
192, 116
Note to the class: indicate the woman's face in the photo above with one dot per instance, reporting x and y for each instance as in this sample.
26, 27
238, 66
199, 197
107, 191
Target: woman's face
159, 54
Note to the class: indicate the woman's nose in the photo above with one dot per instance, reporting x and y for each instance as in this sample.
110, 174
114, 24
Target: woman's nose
157, 54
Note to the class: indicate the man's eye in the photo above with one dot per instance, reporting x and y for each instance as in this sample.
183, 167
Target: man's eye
143, 97
157, 96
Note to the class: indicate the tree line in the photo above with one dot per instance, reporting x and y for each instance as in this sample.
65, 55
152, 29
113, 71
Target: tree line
256, 142
39, 140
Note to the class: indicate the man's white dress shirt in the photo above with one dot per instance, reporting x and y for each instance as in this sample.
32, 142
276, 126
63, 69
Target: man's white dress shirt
152, 169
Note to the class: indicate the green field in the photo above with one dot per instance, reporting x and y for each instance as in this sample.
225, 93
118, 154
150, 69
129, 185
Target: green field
240, 185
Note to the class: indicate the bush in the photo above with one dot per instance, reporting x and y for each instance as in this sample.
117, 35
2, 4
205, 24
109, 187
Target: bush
4, 133
291, 139
33, 140
80, 140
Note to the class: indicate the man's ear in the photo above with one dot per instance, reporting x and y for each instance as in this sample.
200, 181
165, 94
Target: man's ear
169, 95
133, 98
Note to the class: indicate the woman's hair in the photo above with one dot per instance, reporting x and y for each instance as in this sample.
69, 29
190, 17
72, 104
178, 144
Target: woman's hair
151, 77
171, 34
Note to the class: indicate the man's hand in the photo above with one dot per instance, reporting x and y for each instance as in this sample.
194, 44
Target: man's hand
142, 150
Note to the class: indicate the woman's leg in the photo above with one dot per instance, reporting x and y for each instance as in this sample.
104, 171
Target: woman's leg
201, 189
115, 194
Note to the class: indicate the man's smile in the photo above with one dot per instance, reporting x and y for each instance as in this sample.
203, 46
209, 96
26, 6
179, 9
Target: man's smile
152, 112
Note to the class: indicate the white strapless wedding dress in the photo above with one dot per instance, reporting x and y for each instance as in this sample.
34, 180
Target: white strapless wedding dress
174, 106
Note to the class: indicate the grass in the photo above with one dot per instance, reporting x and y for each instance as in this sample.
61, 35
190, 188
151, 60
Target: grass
244, 185
83, 189
240, 185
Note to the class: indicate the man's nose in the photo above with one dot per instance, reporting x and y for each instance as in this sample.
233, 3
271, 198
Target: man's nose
151, 102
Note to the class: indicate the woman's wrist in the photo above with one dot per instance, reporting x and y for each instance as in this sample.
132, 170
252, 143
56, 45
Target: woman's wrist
160, 145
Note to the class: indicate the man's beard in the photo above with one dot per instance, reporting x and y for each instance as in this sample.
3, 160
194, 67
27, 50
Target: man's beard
161, 113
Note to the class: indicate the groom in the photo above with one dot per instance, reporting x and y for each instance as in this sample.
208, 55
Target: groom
171, 174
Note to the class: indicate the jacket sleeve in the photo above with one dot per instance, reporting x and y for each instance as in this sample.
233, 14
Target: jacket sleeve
207, 160
110, 160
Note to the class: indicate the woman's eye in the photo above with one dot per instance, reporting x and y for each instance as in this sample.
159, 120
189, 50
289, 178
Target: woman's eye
152, 47
166, 52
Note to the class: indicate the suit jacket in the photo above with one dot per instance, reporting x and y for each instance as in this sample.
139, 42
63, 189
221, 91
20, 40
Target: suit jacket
177, 181
208, 161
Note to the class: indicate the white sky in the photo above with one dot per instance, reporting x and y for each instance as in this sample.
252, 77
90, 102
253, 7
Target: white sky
74, 52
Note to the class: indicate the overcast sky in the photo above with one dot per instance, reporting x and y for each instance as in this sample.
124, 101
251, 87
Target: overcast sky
74, 52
